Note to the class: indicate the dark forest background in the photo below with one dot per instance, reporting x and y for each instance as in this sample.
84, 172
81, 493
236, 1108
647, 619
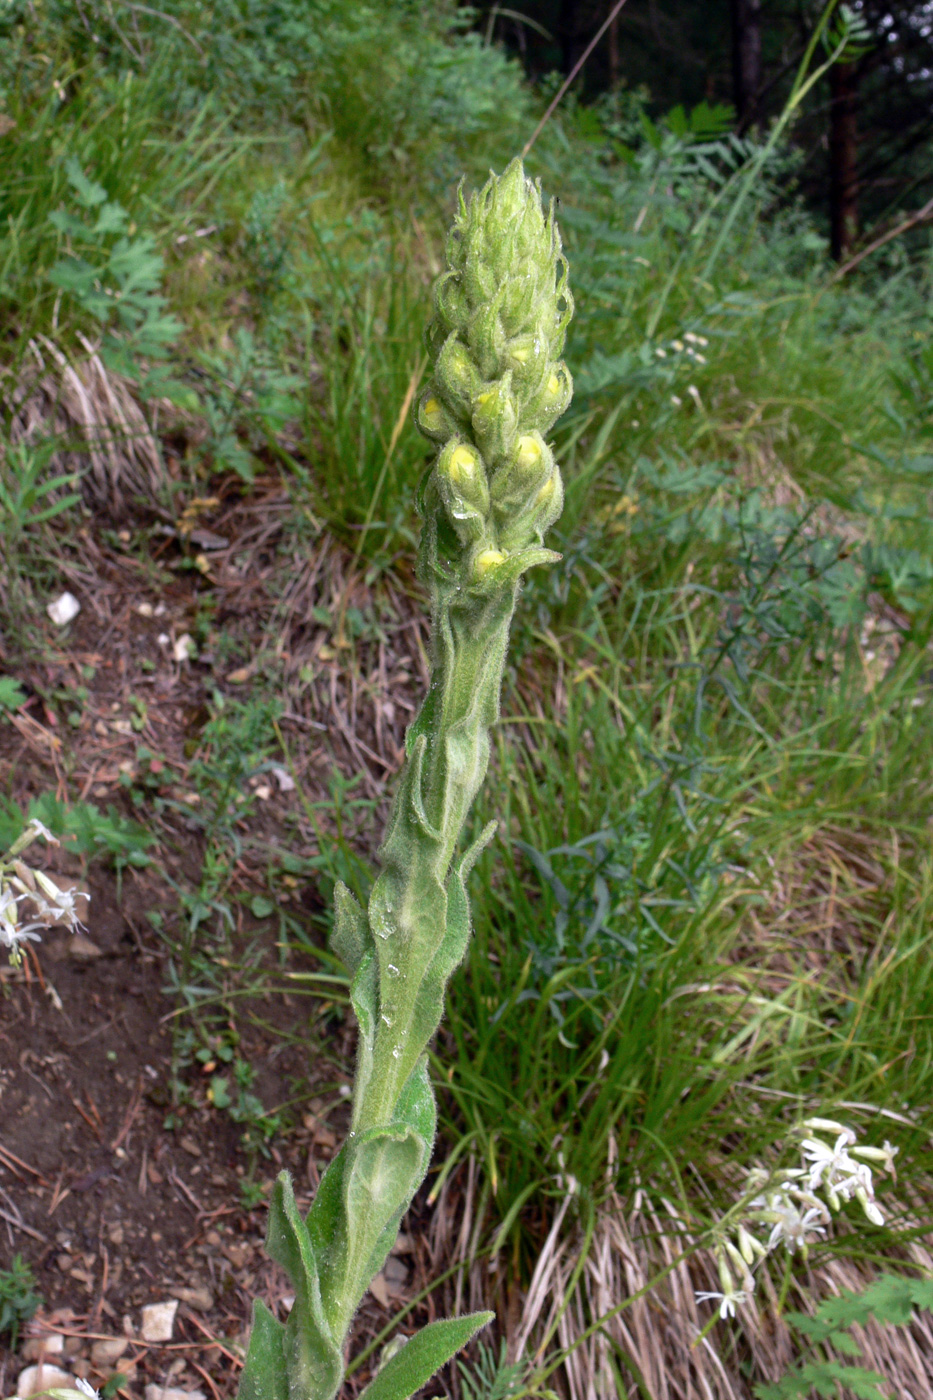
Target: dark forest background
864, 139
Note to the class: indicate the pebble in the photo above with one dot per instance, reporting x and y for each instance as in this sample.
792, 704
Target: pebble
82, 948
200, 1298
36, 1379
108, 1350
158, 1321
52, 1344
64, 608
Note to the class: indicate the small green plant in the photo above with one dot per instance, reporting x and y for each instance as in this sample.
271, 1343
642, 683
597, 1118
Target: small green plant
498, 384
112, 275
890, 1299
18, 1299
11, 696
28, 496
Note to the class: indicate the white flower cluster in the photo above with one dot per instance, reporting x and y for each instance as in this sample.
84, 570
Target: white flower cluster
788, 1202
687, 346
20, 883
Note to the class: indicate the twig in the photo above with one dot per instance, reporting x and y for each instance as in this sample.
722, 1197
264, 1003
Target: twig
10, 1158
570, 77
190, 1317
920, 217
129, 1117
21, 1225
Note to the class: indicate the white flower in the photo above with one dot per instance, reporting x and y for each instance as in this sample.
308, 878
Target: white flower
884, 1154
87, 1389
40, 829
829, 1125
13, 933
792, 1227
58, 905
728, 1300
833, 1167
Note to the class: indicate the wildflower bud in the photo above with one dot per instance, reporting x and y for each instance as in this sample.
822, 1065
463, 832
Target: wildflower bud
486, 561
516, 483
749, 1246
552, 399
495, 418
432, 418
725, 1278
456, 377
741, 1266
868, 1206
538, 516
461, 481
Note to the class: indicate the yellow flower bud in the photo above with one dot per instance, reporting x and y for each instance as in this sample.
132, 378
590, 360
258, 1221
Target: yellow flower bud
547, 490
431, 413
462, 466
488, 560
529, 450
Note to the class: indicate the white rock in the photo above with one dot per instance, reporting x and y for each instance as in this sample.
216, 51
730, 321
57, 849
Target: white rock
64, 609
158, 1321
184, 648
36, 1379
284, 779
52, 1344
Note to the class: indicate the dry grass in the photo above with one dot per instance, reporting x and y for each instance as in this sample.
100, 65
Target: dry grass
105, 435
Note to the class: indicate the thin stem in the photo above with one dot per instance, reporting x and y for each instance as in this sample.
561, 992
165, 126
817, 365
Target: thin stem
570, 77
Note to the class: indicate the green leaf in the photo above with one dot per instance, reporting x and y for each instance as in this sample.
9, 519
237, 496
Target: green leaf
351, 936
363, 1195
265, 1376
11, 697
422, 1356
89, 193
313, 1356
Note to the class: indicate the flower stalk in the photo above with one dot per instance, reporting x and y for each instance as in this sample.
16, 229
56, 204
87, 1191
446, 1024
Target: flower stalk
497, 386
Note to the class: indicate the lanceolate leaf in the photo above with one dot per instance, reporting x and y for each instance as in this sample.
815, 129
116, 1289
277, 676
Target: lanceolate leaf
422, 1356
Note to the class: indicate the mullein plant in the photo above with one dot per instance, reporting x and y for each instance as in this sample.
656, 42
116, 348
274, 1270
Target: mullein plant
497, 386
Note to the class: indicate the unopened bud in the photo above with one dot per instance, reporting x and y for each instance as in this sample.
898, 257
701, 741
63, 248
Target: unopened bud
549, 403
432, 419
461, 480
495, 419
457, 377
487, 560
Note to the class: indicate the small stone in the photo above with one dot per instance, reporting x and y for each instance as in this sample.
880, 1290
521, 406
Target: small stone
82, 948
380, 1291
36, 1379
395, 1274
158, 1321
200, 1298
108, 1350
52, 1344
63, 609
284, 779
184, 648
190, 1146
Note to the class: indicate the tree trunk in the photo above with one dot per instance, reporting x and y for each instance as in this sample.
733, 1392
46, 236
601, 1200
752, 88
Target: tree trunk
843, 163
570, 23
613, 48
746, 60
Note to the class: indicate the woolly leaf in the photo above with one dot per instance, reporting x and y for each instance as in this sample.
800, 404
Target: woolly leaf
422, 1356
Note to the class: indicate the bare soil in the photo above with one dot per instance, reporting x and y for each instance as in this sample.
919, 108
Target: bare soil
118, 1193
